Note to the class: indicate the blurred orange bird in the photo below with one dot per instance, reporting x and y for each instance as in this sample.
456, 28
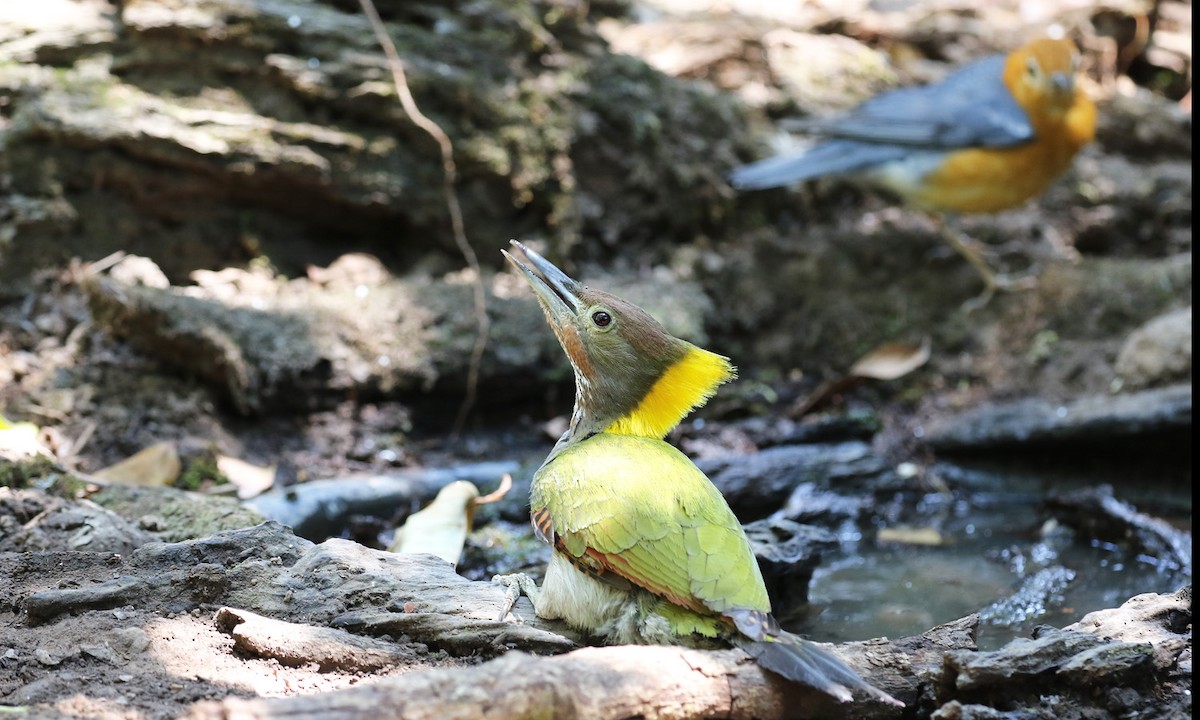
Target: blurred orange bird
988, 137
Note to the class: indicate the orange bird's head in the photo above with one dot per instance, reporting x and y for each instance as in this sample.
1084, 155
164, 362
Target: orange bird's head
1042, 75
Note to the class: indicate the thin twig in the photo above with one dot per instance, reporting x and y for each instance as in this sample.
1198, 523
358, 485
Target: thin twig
449, 181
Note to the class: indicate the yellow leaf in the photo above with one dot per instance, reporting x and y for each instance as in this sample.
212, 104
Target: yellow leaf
154, 466
20, 440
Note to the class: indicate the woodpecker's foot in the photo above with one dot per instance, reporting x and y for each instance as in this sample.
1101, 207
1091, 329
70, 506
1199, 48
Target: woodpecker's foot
516, 585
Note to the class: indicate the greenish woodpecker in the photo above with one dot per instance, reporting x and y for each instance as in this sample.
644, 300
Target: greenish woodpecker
646, 550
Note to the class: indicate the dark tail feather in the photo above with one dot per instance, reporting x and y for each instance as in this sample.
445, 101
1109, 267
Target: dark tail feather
805, 662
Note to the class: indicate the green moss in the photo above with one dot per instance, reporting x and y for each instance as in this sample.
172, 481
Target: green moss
177, 515
18, 474
1042, 347
43, 473
201, 471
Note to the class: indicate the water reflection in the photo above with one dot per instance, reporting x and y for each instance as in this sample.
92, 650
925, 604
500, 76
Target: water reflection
1003, 556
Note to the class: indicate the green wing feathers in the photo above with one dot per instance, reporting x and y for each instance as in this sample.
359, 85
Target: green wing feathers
722, 568
644, 511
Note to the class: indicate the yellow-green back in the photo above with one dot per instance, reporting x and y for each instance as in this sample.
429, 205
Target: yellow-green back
644, 511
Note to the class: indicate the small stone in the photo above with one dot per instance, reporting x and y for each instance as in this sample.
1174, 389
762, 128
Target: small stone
1158, 352
43, 656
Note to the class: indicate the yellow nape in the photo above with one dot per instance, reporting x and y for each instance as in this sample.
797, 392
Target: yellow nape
686, 385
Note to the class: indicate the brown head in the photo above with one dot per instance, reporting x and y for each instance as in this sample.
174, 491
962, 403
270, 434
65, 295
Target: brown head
631, 375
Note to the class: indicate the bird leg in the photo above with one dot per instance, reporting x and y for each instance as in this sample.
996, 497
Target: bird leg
991, 280
516, 585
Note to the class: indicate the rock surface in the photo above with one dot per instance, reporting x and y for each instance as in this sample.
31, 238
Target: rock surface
220, 229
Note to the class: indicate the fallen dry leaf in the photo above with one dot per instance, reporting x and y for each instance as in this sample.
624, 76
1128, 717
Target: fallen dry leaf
891, 360
886, 362
250, 480
441, 527
498, 493
154, 466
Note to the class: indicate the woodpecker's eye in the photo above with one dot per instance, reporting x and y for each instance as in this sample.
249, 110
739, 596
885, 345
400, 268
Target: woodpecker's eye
601, 318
